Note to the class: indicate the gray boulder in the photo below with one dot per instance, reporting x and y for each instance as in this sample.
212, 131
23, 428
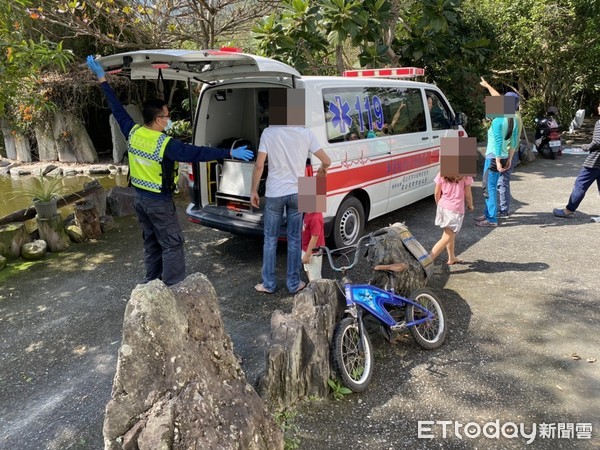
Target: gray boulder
9, 140
23, 147
178, 383
34, 250
118, 140
3, 262
298, 362
119, 201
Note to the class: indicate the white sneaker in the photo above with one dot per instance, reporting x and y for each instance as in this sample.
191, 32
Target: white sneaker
595, 219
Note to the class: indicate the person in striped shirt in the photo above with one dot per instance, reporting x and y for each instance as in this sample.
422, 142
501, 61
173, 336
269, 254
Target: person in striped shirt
589, 173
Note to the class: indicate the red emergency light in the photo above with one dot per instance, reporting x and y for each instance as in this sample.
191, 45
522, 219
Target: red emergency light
396, 72
231, 49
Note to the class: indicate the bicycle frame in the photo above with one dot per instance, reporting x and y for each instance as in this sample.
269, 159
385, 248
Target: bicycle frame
373, 300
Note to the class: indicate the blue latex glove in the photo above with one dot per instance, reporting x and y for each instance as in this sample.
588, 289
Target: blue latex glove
95, 66
242, 153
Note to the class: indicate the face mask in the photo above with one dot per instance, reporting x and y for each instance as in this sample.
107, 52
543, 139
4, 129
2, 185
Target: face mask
169, 125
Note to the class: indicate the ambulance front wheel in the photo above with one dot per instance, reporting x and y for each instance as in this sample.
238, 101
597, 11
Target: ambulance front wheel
349, 223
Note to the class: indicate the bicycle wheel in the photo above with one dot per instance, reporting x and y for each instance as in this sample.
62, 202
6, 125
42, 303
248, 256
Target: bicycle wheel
431, 333
353, 366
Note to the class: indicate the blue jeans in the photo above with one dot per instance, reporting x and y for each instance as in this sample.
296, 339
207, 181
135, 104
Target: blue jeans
274, 208
504, 190
491, 190
583, 182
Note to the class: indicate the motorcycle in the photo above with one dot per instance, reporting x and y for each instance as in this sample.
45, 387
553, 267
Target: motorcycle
547, 136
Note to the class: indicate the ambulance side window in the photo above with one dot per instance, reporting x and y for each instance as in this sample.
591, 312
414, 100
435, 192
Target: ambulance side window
441, 119
408, 111
355, 113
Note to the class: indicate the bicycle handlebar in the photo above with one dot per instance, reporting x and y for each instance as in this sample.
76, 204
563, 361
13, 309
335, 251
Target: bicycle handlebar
356, 246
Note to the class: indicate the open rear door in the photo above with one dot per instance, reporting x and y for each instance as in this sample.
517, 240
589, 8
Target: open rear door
203, 66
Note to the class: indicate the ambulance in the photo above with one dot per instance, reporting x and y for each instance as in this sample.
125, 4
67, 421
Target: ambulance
381, 130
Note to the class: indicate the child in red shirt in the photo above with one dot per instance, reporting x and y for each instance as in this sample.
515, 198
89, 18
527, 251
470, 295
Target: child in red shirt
313, 235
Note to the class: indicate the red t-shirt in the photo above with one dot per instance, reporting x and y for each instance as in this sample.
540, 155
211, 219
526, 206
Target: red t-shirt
313, 226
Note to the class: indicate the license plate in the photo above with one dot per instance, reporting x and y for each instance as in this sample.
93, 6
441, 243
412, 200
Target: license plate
555, 143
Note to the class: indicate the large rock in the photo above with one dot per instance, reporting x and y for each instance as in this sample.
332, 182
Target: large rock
34, 250
390, 249
119, 201
298, 362
9, 139
118, 140
178, 384
74, 143
23, 148
47, 141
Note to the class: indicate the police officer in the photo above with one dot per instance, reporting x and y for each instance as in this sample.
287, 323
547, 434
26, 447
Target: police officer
153, 170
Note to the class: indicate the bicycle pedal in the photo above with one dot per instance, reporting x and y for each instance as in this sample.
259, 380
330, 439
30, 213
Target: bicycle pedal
399, 326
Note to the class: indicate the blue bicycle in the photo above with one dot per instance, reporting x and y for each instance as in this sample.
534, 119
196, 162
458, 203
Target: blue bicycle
422, 314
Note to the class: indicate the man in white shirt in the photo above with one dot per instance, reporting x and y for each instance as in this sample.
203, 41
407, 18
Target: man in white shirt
287, 148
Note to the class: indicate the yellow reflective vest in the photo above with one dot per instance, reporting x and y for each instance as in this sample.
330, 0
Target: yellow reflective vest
146, 148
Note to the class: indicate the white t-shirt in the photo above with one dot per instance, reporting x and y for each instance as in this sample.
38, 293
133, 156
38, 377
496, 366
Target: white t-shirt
287, 149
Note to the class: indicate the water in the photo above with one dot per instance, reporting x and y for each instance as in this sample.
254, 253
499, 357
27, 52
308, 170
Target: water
10, 201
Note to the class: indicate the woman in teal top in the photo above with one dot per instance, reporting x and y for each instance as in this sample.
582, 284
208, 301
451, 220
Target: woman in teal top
504, 131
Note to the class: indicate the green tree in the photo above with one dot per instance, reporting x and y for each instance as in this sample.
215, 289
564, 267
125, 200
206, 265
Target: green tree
25, 57
294, 36
546, 50
144, 24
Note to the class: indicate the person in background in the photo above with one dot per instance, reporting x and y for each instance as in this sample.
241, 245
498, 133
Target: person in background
313, 236
153, 169
451, 194
589, 172
497, 160
504, 195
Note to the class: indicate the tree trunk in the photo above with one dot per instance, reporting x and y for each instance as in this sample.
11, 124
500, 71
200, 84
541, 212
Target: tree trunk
12, 237
54, 233
88, 219
339, 59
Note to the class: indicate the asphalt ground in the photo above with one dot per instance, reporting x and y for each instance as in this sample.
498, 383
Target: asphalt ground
523, 321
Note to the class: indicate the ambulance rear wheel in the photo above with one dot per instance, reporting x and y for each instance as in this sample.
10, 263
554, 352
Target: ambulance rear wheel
349, 223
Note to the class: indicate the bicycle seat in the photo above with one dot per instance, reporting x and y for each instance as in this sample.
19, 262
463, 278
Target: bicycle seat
396, 267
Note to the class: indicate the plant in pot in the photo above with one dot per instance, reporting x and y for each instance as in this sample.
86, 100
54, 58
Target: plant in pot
44, 194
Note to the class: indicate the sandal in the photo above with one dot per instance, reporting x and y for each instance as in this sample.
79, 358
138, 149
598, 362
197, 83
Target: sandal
261, 288
557, 212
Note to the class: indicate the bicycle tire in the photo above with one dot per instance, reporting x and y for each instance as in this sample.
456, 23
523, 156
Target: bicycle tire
354, 369
430, 334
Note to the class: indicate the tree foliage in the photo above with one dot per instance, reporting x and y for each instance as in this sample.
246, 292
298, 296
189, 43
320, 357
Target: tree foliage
24, 59
141, 24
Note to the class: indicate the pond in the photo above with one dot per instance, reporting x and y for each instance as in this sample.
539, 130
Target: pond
10, 201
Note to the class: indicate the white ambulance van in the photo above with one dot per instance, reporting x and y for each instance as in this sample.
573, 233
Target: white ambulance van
382, 135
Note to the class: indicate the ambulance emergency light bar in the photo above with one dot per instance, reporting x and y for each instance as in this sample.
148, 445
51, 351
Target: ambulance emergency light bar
397, 72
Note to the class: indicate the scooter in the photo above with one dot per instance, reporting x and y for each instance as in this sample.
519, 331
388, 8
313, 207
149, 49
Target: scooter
547, 136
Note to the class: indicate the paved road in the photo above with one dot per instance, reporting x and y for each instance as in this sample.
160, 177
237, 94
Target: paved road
528, 301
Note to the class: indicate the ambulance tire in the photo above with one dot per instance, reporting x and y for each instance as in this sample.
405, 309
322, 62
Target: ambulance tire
349, 224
